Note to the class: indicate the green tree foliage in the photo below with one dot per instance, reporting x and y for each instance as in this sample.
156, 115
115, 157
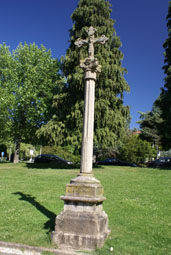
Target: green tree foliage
28, 81
165, 96
111, 116
6, 92
136, 150
149, 124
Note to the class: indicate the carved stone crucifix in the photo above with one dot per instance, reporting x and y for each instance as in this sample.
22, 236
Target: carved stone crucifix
91, 41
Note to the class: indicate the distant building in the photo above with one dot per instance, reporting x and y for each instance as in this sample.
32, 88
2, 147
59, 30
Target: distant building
136, 132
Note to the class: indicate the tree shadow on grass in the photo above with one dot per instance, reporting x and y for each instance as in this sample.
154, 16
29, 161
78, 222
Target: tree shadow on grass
5, 162
56, 166
49, 225
51, 166
164, 168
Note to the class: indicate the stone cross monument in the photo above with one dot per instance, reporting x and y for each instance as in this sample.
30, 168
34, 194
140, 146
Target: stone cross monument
83, 225
91, 67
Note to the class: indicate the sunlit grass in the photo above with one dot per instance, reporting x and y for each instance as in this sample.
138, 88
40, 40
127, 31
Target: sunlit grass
138, 206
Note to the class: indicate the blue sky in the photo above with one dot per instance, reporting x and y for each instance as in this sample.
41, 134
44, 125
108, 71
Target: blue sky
141, 25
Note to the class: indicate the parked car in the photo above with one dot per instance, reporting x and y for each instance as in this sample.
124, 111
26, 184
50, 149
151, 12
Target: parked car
50, 158
160, 162
114, 162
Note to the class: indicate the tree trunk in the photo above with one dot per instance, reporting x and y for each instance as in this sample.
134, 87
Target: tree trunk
17, 150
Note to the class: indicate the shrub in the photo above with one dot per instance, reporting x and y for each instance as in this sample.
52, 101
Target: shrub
136, 150
63, 152
25, 151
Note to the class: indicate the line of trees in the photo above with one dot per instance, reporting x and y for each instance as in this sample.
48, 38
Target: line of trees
39, 104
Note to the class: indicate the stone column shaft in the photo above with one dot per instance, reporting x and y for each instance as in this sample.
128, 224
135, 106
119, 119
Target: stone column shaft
87, 140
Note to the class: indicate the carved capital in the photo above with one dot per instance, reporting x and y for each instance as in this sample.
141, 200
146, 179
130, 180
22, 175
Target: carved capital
90, 64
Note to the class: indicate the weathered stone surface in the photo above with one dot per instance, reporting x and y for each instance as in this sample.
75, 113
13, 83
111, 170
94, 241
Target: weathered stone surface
81, 227
84, 186
85, 178
86, 190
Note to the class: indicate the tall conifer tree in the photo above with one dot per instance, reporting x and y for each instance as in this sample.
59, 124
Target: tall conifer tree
165, 96
111, 116
150, 123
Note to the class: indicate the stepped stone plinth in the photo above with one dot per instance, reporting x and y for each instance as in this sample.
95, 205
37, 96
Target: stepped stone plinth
82, 224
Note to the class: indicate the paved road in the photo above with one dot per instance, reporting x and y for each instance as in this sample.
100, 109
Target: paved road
20, 249
2, 253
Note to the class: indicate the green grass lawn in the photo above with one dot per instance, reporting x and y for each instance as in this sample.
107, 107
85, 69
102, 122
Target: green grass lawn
138, 206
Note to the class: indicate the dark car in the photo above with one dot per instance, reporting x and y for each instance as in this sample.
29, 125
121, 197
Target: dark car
160, 162
114, 162
49, 158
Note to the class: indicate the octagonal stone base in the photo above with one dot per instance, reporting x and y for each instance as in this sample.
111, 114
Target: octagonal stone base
82, 225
